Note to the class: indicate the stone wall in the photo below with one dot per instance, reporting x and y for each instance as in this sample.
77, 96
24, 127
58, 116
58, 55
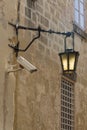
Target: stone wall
7, 81
31, 101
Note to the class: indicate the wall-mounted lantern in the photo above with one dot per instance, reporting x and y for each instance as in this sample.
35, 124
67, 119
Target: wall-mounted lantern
68, 58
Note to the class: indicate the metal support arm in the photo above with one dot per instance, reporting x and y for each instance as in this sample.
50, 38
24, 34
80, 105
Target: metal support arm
17, 27
68, 34
16, 48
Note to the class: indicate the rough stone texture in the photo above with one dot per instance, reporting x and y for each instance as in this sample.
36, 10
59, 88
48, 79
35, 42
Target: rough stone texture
32, 101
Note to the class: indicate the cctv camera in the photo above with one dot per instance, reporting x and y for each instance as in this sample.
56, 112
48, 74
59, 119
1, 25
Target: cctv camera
27, 65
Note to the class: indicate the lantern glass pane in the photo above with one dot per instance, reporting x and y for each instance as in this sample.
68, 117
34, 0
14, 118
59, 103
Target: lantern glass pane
71, 61
64, 62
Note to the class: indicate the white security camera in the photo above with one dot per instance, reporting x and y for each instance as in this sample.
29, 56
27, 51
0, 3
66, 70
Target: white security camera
26, 64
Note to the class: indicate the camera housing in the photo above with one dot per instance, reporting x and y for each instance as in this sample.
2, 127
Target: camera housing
26, 64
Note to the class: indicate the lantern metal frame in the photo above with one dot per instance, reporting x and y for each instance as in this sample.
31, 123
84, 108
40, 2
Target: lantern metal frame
69, 53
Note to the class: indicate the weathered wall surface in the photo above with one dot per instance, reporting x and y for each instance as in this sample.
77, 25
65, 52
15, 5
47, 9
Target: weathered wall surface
80, 87
32, 101
38, 100
7, 81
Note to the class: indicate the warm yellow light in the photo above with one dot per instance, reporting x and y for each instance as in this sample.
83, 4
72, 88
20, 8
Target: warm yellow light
64, 60
71, 61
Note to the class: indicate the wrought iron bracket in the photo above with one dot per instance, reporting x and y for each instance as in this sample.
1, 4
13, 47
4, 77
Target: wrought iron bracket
39, 30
